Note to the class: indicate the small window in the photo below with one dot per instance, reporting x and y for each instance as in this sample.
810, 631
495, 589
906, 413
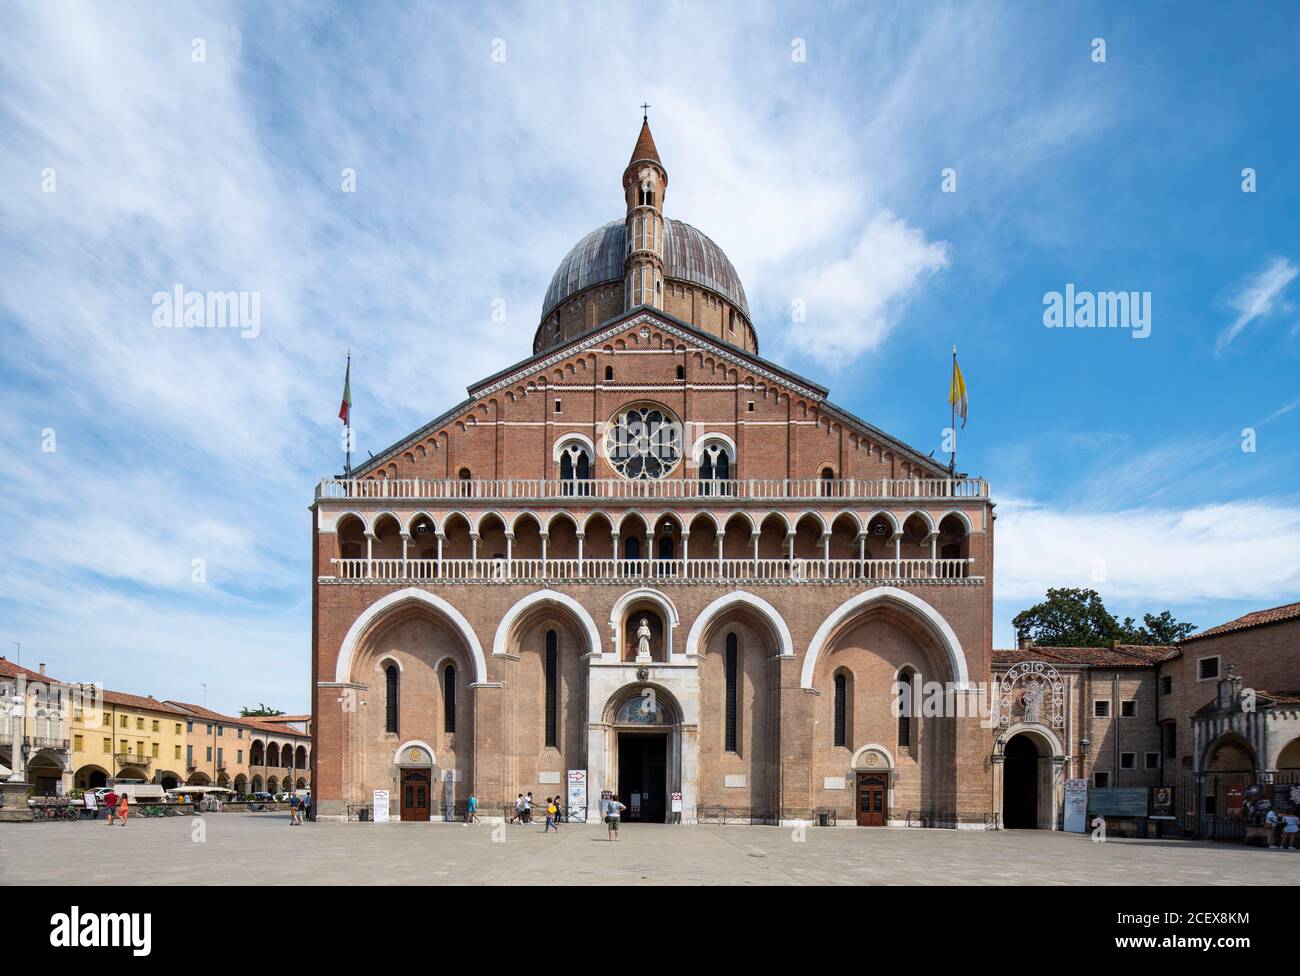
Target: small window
1101, 708
750, 406
1169, 740
905, 711
1128, 708
609, 373
1207, 668
681, 372
1166, 684
1153, 760
108, 745
1128, 760
1101, 779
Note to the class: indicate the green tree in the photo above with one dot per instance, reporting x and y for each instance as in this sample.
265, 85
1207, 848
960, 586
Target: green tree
261, 710
1076, 617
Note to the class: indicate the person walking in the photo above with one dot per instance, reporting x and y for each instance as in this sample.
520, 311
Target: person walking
306, 807
528, 808
110, 804
293, 809
552, 815
1271, 822
612, 814
122, 808
519, 809
471, 809
1290, 828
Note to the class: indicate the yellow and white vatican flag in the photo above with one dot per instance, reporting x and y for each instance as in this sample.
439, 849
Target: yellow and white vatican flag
957, 394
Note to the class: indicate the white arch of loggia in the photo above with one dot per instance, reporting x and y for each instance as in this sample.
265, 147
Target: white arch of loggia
501, 643
739, 598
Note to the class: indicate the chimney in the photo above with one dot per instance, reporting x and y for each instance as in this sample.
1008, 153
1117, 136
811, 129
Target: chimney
42, 668
1023, 640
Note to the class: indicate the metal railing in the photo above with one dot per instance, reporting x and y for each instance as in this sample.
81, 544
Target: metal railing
675, 489
803, 570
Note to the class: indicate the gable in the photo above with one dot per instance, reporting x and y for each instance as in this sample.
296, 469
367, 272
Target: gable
517, 408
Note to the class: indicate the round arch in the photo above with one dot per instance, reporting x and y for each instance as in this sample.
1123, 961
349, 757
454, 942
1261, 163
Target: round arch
414, 744
860, 754
660, 600
1233, 740
901, 598
720, 606
501, 643
702, 441
361, 626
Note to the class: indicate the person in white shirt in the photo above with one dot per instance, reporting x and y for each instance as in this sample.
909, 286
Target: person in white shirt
1291, 827
1271, 821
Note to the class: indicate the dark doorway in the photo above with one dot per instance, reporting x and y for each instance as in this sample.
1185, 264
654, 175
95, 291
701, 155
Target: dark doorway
873, 802
415, 794
1020, 783
643, 776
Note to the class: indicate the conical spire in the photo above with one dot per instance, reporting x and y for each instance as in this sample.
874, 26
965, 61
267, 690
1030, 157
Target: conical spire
645, 145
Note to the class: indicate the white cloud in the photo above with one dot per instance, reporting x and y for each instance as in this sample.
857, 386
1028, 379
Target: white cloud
1256, 298
852, 303
1242, 550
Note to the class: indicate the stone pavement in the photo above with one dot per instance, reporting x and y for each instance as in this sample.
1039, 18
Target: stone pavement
243, 848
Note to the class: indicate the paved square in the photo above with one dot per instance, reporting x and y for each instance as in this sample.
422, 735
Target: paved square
261, 848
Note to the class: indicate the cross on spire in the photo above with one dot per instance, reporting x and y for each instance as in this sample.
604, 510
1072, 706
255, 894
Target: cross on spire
644, 110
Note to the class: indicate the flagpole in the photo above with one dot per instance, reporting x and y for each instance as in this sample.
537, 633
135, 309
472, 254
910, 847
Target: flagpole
952, 455
347, 434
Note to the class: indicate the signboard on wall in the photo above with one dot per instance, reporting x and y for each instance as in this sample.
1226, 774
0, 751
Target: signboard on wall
1118, 801
1162, 803
677, 803
381, 806
1076, 805
577, 796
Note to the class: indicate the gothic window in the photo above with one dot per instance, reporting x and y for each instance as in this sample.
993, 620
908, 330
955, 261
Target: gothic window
841, 709
449, 698
905, 710
643, 443
609, 373
732, 668
666, 549
715, 465
390, 703
575, 468
552, 688
828, 482
647, 197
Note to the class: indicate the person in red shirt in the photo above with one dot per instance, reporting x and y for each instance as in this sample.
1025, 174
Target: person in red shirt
110, 804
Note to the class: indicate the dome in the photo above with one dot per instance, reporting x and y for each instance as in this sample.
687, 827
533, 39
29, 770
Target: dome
688, 256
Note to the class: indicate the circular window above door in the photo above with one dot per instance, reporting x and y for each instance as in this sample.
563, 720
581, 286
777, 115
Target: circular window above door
643, 443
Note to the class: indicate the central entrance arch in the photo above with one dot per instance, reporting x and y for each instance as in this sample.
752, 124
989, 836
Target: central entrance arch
644, 768
1031, 765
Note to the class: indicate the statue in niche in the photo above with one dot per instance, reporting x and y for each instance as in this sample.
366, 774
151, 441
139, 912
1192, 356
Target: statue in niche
643, 640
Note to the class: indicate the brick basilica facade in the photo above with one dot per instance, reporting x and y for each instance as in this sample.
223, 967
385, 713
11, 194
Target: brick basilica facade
648, 555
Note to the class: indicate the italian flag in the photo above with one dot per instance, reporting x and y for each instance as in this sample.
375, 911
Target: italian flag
345, 411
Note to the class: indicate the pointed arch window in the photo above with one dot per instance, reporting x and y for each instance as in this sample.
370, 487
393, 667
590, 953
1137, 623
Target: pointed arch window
449, 698
905, 711
391, 689
667, 549
731, 667
715, 466
828, 482
841, 709
552, 668
575, 469
632, 548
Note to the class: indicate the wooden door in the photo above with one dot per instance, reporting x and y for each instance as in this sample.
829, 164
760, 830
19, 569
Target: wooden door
872, 799
415, 794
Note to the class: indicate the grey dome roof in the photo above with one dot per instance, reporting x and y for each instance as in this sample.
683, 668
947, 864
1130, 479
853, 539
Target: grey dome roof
688, 256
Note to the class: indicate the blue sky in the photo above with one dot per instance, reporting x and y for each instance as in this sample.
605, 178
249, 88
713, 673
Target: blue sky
1109, 456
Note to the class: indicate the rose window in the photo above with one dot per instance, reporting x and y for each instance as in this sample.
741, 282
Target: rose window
643, 443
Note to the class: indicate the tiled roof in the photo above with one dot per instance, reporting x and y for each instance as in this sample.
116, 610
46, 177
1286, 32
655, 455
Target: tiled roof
259, 723
10, 670
1257, 618
1119, 656
1261, 698
139, 701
